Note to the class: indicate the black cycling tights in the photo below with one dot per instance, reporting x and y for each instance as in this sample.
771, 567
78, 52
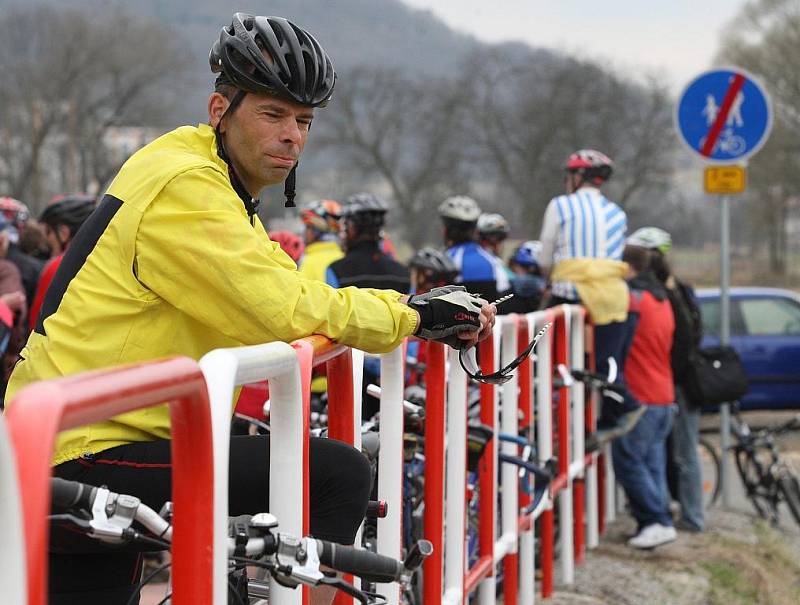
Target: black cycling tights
87, 572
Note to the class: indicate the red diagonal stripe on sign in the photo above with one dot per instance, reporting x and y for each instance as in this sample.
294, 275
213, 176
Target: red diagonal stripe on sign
722, 116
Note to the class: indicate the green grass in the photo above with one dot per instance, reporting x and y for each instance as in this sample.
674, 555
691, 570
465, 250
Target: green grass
728, 585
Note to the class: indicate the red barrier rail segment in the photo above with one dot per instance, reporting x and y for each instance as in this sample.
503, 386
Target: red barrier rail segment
433, 520
547, 553
579, 531
41, 410
341, 420
487, 474
483, 567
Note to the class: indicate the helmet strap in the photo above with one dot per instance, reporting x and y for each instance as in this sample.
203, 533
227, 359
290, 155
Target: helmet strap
250, 203
289, 187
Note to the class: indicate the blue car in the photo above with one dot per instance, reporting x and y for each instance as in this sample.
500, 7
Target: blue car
765, 331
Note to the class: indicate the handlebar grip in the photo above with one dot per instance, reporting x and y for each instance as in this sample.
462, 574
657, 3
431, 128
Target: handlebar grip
362, 563
615, 387
70, 495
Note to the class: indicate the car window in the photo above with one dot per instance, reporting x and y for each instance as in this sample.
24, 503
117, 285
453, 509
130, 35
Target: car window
770, 316
709, 314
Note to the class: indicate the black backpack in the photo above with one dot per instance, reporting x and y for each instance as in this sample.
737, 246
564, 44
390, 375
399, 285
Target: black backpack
684, 340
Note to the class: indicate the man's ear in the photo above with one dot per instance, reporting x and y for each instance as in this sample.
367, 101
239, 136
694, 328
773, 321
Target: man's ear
217, 104
64, 234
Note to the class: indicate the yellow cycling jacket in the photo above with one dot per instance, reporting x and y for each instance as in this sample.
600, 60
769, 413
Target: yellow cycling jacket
169, 264
318, 257
601, 285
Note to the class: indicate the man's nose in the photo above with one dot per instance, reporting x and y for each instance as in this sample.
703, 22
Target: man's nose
291, 132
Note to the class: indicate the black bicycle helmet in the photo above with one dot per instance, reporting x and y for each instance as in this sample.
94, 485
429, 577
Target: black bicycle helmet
271, 55
69, 210
435, 263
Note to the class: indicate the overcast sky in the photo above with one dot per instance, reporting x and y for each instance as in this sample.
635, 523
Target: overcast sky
674, 39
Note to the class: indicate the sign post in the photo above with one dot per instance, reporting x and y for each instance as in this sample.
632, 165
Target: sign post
724, 116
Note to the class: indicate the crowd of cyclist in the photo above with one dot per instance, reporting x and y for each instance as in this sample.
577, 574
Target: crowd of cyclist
173, 260
645, 318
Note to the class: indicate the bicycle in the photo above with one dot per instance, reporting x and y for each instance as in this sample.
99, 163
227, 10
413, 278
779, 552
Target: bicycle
253, 542
767, 479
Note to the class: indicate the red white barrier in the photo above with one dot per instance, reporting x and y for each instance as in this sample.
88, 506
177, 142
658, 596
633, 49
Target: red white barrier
40, 410
224, 370
12, 557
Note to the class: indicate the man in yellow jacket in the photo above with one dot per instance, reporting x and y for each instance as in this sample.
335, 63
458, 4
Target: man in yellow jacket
174, 261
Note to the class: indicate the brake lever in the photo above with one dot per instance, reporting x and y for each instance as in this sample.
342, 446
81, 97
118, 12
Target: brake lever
345, 587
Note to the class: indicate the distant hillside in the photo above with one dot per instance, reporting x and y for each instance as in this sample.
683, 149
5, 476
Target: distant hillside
355, 32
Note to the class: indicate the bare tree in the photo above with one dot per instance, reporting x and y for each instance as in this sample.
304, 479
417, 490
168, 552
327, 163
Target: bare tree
765, 39
531, 115
70, 76
409, 134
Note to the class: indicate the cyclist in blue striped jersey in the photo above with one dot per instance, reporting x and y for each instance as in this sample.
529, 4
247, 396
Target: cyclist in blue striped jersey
583, 236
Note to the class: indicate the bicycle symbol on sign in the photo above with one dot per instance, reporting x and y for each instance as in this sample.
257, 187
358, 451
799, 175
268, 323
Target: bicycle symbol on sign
729, 143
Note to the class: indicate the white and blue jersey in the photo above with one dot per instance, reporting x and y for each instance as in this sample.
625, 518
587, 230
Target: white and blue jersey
480, 271
583, 224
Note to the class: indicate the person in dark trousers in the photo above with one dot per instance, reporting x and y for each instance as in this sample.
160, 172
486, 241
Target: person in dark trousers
683, 469
639, 456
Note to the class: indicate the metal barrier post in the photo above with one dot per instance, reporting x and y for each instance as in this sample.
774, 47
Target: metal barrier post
455, 481
487, 482
565, 524
390, 464
12, 558
42, 409
433, 520
509, 482
578, 471
527, 547
224, 370
545, 444
593, 500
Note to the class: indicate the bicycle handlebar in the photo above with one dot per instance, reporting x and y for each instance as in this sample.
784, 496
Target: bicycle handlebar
363, 563
70, 495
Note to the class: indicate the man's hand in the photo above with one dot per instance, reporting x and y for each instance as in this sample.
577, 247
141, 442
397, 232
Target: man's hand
452, 316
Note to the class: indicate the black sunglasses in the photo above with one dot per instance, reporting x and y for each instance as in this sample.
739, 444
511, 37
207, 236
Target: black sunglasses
502, 375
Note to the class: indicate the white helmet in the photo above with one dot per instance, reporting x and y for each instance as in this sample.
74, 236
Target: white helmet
651, 238
493, 225
460, 208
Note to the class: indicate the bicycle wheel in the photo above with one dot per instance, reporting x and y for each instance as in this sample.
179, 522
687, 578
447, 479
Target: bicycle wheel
709, 462
790, 490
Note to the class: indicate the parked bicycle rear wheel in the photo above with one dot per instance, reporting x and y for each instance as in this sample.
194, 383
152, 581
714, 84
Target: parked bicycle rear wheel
709, 462
790, 490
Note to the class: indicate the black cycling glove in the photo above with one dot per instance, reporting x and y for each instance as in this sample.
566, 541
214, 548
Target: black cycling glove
446, 311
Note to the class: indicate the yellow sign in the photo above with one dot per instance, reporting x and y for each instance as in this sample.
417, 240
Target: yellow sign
725, 179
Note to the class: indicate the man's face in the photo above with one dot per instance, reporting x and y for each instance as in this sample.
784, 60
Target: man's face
264, 137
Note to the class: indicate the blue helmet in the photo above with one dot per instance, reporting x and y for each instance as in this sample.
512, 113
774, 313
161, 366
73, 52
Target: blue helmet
527, 255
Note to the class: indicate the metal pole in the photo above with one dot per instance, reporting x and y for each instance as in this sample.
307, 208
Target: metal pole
724, 337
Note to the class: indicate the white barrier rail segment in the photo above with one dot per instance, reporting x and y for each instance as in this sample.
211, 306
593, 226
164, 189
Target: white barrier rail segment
390, 464
357, 357
12, 556
455, 481
509, 425
592, 507
527, 542
224, 370
609, 485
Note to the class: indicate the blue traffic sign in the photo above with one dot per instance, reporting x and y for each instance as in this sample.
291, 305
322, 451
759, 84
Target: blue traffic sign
724, 115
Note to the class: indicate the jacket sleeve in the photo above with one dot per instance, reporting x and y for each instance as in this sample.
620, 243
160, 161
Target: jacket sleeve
196, 250
549, 235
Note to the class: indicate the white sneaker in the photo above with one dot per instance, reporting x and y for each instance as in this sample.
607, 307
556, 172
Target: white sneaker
653, 535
